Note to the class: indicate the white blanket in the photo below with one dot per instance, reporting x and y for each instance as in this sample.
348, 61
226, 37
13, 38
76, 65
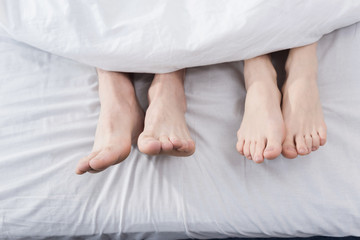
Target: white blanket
160, 35
48, 114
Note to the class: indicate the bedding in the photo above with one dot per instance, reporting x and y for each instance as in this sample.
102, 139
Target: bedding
48, 114
162, 36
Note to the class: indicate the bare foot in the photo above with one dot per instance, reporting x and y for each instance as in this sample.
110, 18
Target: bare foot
301, 107
165, 128
120, 123
262, 129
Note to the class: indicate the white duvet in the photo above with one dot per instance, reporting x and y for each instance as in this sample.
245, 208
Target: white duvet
161, 36
49, 109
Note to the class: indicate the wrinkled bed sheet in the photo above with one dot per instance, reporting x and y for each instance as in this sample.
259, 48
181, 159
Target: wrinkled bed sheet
161, 36
48, 113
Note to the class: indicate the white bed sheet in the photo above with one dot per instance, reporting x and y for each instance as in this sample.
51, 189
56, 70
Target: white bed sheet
48, 114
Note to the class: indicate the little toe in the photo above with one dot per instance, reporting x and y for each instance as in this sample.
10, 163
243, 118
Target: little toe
176, 141
240, 146
166, 145
149, 145
259, 151
184, 146
301, 147
191, 146
273, 149
187, 149
289, 149
315, 141
322, 135
308, 142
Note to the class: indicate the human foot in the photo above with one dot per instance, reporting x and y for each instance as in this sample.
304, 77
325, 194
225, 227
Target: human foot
165, 128
262, 129
120, 123
301, 107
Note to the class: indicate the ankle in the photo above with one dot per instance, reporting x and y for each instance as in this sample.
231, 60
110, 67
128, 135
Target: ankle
302, 60
258, 72
168, 91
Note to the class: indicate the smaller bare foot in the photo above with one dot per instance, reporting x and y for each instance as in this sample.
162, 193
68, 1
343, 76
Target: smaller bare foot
301, 107
119, 125
165, 130
262, 129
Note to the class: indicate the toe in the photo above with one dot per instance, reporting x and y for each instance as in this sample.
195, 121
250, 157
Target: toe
183, 146
252, 149
176, 141
166, 145
240, 146
187, 148
149, 145
247, 149
315, 141
301, 147
259, 151
273, 149
322, 135
308, 142
191, 146
110, 156
288, 148
83, 165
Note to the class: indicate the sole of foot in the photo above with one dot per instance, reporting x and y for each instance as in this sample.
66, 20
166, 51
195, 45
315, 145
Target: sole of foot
120, 123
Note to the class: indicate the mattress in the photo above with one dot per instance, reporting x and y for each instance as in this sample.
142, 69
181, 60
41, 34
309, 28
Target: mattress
48, 114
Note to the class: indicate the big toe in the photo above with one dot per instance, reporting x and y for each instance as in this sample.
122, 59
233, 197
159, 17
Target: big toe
83, 165
289, 149
273, 149
149, 145
109, 156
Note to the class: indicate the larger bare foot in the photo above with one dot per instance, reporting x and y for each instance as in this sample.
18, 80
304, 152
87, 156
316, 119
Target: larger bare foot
120, 123
262, 129
302, 112
165, 128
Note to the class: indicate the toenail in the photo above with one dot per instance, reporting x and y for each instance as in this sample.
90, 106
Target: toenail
314, 148
291, 148
249, 157
303, 150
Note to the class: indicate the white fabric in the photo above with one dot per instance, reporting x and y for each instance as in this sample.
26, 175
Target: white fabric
160, 35
48, 114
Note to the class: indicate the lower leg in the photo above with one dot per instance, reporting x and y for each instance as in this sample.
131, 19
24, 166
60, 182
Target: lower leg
165, 128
